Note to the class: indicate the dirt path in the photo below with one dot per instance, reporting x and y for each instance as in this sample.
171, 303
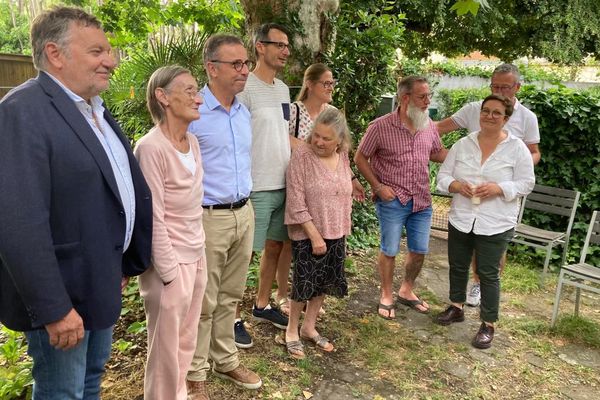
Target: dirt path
464, 372
411, 357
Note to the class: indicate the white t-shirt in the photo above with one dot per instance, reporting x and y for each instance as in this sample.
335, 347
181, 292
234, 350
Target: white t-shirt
269, 106
522, 123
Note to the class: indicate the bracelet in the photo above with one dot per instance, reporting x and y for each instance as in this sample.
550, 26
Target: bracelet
354, 177
378, 188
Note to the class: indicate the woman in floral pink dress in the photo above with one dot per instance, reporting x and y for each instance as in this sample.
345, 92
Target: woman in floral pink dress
318, 208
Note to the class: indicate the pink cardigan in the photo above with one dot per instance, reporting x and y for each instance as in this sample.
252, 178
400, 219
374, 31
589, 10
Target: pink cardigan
178, 235
314, 192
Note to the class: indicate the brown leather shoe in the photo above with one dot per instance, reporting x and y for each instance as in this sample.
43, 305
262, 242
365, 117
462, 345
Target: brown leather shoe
451, 315
483, 338
197, 390
241, 376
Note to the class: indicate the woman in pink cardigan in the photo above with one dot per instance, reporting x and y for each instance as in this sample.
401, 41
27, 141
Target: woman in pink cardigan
318, 207
173, 287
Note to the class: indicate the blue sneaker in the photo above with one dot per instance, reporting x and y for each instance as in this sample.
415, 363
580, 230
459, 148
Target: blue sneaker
269, 314
243, 340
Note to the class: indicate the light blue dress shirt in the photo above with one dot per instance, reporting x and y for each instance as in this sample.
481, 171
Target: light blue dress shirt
116, 153
225, 144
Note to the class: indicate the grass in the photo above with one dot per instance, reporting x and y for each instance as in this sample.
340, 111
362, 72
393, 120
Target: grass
578, 330
378, 359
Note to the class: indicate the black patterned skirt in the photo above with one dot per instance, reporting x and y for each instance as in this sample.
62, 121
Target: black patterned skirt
317, 275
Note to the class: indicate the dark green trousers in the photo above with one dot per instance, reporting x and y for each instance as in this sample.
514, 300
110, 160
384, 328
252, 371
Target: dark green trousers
488, 251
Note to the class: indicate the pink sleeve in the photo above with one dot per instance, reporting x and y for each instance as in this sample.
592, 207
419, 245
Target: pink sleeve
153, 167
296, 210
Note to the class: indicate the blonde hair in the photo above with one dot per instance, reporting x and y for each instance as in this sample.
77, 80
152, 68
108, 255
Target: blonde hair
312, 74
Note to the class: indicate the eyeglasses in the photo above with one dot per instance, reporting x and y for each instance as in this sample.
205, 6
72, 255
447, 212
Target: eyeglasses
486, 112
328, 84
280, 45
238, 65
500, 88
424, 96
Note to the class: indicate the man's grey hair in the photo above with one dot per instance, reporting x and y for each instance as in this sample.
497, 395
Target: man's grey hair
54, 26
508, 69
406, 84
262, 33
214, 43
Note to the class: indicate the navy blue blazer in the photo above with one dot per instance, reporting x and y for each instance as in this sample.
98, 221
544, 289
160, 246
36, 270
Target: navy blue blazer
62, 223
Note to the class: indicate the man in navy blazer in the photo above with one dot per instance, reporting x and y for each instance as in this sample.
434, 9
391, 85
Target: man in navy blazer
75, 210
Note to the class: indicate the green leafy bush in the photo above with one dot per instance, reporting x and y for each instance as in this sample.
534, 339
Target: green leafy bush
15, 366
529, 72
126, 97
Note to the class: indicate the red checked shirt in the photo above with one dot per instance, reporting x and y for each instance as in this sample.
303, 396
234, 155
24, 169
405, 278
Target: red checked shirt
400, 159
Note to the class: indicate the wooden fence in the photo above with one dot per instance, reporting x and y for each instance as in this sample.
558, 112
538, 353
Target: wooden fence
14, 70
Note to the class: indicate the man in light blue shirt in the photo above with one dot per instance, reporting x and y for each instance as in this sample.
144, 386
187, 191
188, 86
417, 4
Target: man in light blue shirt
225, 137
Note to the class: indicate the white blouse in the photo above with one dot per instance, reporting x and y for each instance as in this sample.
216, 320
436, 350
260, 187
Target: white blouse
510, 166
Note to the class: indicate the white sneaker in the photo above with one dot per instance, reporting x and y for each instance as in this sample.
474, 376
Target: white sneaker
474, 295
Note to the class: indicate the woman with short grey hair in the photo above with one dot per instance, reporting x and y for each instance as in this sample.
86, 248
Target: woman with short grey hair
173, 287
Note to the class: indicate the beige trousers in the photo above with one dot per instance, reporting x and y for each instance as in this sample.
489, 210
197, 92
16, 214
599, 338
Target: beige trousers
229, 237
172, 312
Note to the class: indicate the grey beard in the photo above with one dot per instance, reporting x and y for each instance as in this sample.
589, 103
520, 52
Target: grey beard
419, 119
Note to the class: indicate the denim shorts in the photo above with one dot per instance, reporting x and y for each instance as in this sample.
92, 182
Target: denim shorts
393, 216
269, 210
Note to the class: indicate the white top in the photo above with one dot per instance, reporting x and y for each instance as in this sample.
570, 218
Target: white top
522, 123
188, 161
269, 106
510, 166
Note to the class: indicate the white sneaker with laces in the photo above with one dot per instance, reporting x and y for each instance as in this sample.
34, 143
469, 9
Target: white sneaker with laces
474, 295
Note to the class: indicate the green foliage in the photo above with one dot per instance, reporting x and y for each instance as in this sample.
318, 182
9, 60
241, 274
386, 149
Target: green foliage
131, 22
529, 72
561, 31
15, 366
364, 29
126, 97
14, 37
569, 124
579, 330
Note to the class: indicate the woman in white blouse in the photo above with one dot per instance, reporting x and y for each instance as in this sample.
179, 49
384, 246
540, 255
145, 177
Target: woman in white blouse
487, 171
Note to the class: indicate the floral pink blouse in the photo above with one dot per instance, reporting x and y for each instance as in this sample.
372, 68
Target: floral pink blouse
314, 192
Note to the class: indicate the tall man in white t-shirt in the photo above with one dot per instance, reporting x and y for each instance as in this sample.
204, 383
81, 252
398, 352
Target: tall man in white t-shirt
268, 100
523, 124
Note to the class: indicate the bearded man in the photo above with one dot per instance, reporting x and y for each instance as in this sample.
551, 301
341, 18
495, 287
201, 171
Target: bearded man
394, 156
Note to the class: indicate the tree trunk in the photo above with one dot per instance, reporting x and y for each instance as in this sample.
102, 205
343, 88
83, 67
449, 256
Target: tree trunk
308, 23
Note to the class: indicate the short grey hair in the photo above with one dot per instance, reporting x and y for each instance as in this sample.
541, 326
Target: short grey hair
335, 119
508, 69
406, 84
161, 79
214, 43
54, 26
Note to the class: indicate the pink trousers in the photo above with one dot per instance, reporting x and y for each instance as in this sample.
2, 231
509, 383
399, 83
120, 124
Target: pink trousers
172, 312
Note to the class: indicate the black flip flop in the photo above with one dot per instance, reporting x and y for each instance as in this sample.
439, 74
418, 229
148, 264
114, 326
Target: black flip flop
413, 304
388, 308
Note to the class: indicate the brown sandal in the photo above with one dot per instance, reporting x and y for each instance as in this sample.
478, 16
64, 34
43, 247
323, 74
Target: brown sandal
322, 343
